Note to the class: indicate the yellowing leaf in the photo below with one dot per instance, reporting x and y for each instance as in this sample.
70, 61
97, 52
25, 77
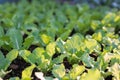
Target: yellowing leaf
51, 48
45, 38
92, 44
26, 74
38, 51
76, 71
97, 36
115, 69
58, 71
117, 18
93, 74
24, 54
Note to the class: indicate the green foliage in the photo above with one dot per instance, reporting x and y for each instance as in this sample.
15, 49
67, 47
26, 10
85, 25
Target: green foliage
28, 41
62, 41
5, 62
1, 32
74, 44
14, 78
15, 38
12, 55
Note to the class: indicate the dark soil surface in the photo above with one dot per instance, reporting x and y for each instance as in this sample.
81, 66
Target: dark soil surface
16, 66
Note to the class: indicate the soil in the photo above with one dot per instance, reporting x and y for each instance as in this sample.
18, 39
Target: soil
16, 66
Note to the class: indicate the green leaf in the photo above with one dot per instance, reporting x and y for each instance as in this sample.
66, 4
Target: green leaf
12, 55
5, 39
60, 45
3, 73
74, 44
43, 64
7, 22
93, 74
41, 59
24, 54
95, 24
28, 41
108, 20
58, 71
76, 71
65, 34
79, 53
35, 34
32, 58
27, 72
114, 60
1, 56
14, 78
59, 59
4, 63
48, 78
18, 20
1, 31
15, 37
73, 59
1, 42
87, 60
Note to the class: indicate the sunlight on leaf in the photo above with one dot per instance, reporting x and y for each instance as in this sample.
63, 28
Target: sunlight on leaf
45, 38
27, 72
51, 48
76, 71
93, 74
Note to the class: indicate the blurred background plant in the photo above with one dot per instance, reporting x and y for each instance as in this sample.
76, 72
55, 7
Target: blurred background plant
3, 1
92, 3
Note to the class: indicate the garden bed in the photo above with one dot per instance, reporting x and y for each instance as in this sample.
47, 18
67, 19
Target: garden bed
50, 41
